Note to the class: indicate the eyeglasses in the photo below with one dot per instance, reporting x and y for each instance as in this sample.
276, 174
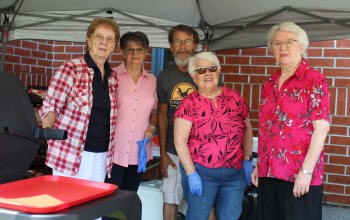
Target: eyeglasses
278, 44
101, 38
187, 42
135, 50
202, 70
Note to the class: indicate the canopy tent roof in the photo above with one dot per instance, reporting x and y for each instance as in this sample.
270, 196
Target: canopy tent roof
223, 24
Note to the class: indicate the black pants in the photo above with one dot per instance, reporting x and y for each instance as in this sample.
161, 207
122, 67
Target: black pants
125, 178
276, 201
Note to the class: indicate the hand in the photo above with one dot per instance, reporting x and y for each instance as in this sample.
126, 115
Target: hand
165, 161
149, 133
248, 169
301, 184
195, 183
142, 155
255, 177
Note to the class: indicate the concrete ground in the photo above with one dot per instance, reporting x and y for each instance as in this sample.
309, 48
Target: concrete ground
333, 212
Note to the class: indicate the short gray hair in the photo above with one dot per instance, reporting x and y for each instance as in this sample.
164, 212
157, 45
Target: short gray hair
193, 60
289, 27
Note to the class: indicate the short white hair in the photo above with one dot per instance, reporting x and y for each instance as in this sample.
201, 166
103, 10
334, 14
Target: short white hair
289, 27
193, 60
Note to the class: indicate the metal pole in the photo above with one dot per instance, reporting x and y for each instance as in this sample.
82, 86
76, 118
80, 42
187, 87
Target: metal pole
5, 36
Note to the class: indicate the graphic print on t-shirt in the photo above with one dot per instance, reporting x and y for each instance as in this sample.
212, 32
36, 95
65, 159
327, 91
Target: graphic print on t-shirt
179, 92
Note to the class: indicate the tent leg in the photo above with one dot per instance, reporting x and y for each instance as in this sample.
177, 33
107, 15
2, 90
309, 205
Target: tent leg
4, 40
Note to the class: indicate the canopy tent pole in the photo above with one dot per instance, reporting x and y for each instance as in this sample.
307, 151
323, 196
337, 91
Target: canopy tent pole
5, 35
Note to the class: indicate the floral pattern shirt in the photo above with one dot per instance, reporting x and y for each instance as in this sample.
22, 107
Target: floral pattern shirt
285, 122
217, 133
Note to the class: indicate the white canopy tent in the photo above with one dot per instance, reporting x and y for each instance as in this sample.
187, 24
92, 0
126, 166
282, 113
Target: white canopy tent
222, 24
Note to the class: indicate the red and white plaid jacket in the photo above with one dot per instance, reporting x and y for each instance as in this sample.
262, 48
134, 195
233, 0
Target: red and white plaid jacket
70, 97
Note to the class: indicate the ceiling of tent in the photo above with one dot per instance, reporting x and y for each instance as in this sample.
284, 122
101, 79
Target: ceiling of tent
224, 24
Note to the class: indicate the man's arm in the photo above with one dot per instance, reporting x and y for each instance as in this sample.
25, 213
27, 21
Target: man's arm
165, 161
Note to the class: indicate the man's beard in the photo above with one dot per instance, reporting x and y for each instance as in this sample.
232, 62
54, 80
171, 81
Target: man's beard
181, 62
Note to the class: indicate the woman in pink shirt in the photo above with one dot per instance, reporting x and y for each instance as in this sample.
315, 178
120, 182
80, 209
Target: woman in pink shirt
293, 125
137, 111
213, 139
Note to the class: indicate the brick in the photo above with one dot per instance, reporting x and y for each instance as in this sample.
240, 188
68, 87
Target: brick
255, 96
258, 79
21, 68
348, 170
333, 98
30, 44
337, 120
237, 60
339, 130
246, 93
344, 43
46, 63
341, 179
333, 188
263, 61
63, 43
221, 59
8, 67
347, 190
9, 49
253, 69
342, 63
36, 69
238, 87
28, 60
74, 49
337, 199
339, 160
340, 140
45, 48
58, 49
341, 101
314, 52
332, 149
321, 62
228, 52
348, 101
271, 70
116, 57
336, 52
62, 56
39, 54
334, 72
229, 69
258, 51
17, 43
329, 168
147, 66
12, 59
329, 43
235, 78
342, 82
254, 114
22, 52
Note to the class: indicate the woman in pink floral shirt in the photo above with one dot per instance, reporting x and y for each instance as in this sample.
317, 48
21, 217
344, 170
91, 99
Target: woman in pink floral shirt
293, 125
213, 138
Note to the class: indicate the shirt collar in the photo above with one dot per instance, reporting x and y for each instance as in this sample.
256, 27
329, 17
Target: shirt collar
91, 64
122, 70
299, 72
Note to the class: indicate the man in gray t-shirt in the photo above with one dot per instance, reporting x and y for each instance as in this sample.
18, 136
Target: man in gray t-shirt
173, 84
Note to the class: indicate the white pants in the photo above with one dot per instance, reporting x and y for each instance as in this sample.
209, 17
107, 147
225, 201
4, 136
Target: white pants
93, 167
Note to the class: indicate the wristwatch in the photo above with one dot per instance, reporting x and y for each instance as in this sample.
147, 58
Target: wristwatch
305, 171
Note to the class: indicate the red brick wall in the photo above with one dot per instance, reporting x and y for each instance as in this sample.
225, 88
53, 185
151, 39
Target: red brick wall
245, 70
34, 61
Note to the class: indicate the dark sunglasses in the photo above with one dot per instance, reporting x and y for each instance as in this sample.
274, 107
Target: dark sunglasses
202, 70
